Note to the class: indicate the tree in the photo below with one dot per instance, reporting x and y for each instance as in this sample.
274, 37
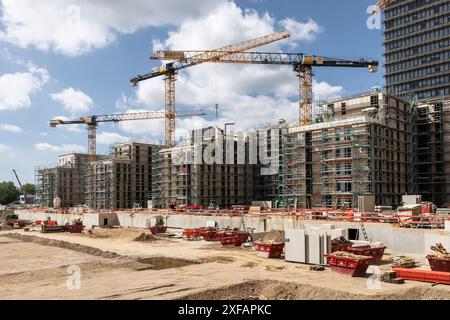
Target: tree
8, 192
29, 188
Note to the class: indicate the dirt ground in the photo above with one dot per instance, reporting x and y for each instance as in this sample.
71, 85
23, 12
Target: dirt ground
114, 266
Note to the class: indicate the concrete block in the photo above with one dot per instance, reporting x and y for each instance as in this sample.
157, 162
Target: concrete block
411, 199
326, 244
317, 268
315, 230
315, 247
398, 281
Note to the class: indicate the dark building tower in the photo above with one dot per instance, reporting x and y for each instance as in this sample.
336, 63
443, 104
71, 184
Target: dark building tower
417, 48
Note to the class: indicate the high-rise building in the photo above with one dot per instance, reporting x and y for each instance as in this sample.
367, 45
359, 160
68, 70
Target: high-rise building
417, 48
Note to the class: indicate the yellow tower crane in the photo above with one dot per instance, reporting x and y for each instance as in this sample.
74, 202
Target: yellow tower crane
381, 4
182, 60
301, 63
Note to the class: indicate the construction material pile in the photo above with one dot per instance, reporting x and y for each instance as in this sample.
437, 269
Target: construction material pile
146, 237
349, 255
403, 262
439, 251
5, 226
340, 240
274, 236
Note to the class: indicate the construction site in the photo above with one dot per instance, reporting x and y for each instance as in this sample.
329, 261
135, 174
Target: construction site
352, 201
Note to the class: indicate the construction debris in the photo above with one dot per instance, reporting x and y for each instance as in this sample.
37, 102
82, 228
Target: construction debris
146, 237
5, 226
403, 262
317, 268
274, 236
349, 255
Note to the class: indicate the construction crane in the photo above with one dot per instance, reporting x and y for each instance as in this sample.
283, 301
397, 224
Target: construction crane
170, 70
92, 122
381, 4
302, 64
21, 188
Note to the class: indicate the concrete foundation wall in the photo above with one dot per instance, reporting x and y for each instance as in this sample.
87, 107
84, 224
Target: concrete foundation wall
401, 241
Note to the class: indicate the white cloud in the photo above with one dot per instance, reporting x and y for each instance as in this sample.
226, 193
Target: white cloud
4, 148
10, 128
74, 27
43, 134
16, 88
324, 91
111, 138
124, 103
65, 148
74, 101
249, 95
301, 31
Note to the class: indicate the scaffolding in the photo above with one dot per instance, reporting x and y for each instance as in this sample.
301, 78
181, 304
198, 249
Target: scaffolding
294, 175
123, 180
430, 176
358, 148
65, 182
208, 185
157, 178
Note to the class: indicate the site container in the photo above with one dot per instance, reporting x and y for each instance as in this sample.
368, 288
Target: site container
269, 250
155, 230
190, 233
75, 228
347, 265
340, 246
210, 235
234, 239
439, 264
375, 252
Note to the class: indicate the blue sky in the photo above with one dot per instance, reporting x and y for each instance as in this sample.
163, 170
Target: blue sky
48, 66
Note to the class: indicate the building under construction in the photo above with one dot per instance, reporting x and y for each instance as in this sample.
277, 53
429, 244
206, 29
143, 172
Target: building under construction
370, 144
123, 180
194, 182
64, 181
430, 168
358, 146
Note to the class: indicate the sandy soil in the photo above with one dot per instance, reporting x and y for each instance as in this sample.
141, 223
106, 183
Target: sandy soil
113, 266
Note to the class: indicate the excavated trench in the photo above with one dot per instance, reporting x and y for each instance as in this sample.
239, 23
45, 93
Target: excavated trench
278, 290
